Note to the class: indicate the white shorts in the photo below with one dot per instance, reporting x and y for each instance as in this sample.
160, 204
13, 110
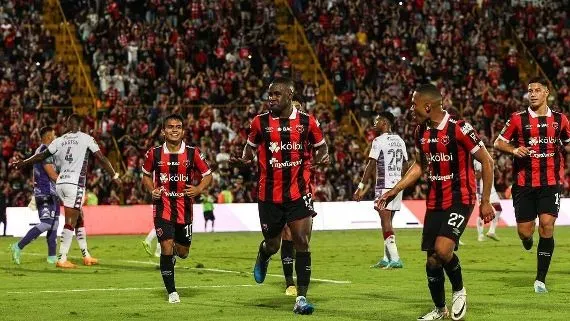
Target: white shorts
71, 195
394, 205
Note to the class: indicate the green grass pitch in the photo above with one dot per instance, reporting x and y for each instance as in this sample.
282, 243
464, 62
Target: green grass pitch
215, 283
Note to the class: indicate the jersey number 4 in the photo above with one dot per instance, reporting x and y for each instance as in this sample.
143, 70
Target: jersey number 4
68, 156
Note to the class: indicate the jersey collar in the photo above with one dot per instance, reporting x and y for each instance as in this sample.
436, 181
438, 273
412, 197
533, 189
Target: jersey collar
534, 115
292, 116
166, 151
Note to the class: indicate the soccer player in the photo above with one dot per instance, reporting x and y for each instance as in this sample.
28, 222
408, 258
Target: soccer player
388, 156
208, 209
445, 147
534, 137
495, 201
71, 152
147, 243
280, 137
46, 200
173, 164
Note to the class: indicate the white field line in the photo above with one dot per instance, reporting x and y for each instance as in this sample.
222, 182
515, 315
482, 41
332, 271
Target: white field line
134, 289
209, 269
239, 272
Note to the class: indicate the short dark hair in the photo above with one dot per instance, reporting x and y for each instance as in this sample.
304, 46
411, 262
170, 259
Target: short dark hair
172, 116
429, 90
284, 81
44, 130
388, 116
74, 118
538, 80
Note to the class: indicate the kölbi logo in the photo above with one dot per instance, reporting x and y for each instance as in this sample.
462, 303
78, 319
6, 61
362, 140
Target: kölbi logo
164, 177
274, 147
440, 157
542, 140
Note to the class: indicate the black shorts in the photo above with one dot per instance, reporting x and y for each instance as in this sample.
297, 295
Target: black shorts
166, 230
209, 216
274, 216
449, 223
529, 202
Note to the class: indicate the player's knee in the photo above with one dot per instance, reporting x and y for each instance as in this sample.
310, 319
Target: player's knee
43, 227
432, 261
546, 230
443, 255
301, 244
525, 233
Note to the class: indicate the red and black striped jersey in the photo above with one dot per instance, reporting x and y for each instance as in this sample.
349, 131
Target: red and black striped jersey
172, 172
544, 137
447, 150
282, 152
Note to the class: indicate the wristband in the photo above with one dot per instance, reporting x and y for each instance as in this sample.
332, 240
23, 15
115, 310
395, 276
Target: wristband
360, 185
116, 176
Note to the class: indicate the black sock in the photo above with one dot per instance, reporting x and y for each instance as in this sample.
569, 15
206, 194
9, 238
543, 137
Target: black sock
287, 261
167, 271
527, 243
303, 270
543, 255
453, 271
262, 254
436, 283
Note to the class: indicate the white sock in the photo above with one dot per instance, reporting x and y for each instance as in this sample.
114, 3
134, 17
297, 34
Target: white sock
81, 237
385, 258
151, 235
480, 225
494, 222
391, 247
66, 237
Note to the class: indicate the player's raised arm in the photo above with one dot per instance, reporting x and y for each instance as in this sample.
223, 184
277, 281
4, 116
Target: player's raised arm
31, 160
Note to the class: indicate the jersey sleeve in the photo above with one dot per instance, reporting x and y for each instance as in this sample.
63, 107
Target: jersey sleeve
200, 163
565, 130
316, 137
148, 165
92, 144
50, 159
467, 137
510, 128
375, 149
254, 136
54, 146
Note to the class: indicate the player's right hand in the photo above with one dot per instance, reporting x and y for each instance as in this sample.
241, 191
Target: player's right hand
386, 198
157, 193
521, 152
358, 194
239, 162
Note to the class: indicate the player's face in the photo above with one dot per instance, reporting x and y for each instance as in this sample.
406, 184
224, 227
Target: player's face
50, 136
380, 124
279, 98
537, 95
418, 108
173, 131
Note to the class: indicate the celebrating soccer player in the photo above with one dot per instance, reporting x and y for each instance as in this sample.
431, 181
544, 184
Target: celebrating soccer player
281, 137
388, 156
534, 136
445, 146
495, 201
46, 200
71, 152
173, 164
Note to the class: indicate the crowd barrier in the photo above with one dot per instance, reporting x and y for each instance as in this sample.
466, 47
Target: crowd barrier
137, 219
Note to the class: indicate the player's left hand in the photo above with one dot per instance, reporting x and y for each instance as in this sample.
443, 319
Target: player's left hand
325, 160
486, 212
192, 191
17, 164
358, 194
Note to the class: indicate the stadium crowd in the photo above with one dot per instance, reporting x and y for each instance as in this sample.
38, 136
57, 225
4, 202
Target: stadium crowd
154, 57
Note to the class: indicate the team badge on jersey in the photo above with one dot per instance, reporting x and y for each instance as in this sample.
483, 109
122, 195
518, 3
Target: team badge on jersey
299, 128
445, 140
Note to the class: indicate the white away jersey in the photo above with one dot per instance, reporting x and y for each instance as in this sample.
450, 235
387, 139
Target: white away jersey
494, 196
389, 151
71, 152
